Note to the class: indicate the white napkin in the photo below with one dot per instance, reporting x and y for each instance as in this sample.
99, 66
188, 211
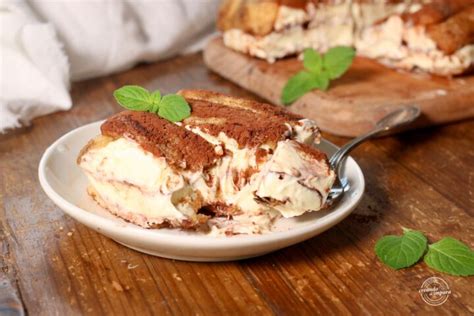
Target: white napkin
34, 73
99, 37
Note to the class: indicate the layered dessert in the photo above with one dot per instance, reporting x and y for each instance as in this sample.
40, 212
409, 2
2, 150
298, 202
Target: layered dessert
438, 38
435, 36
234, 166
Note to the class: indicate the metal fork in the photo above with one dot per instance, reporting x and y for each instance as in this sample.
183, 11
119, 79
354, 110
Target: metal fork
401, 116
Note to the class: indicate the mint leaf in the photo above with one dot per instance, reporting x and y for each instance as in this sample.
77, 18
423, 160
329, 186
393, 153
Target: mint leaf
322, 81
297, 86
319, 71
174, 108
401, 251
450, 256
337, 60
134, 98
156, 99
171, 107
312, 61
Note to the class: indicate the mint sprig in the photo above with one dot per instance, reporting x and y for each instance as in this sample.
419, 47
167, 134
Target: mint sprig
337, 60
172, 107
318, 71
401, 251
448, 255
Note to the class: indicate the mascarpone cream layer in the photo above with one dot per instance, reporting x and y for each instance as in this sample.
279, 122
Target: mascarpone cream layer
132, 180
294, 182
406, 46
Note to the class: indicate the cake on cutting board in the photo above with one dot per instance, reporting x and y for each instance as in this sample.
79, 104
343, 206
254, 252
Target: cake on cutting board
408, 52
433, 36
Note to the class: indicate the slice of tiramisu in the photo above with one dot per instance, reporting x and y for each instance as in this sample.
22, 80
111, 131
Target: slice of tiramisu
233, 166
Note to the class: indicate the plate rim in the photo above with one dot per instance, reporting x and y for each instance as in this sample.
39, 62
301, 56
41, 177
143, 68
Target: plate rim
154, 236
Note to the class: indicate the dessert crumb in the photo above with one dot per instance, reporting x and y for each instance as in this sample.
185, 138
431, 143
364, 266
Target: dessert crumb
69, 234
177, 277
117, 286
131, 266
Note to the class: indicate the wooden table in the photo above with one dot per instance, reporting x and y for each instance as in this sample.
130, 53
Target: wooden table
51, 265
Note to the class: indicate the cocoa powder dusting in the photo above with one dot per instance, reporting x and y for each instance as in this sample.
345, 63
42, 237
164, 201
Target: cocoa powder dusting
239, 103
261, 156
312, 152
181, 148
248, 128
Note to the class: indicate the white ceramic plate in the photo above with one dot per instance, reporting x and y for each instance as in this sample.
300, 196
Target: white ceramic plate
65, 184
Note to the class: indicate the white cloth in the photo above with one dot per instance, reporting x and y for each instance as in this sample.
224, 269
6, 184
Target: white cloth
45, 44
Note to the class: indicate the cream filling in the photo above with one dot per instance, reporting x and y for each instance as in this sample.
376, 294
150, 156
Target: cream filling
293, 182
145, 209
242, 159
270, 47
124, 160
288, 16
405, 46
305, 132
243, 224
132, 181
305, 192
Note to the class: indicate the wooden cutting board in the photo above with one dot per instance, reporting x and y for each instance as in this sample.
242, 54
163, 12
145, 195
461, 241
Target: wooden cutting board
354, 102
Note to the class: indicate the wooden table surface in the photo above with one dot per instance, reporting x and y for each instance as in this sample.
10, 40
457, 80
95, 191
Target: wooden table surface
52, 265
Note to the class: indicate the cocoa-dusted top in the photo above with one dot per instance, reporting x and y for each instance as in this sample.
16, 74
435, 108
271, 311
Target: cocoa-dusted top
454, 33
181, 148
436, 12
236, 102
312, 152
250, 123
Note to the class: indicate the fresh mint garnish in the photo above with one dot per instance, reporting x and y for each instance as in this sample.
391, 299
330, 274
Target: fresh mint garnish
450, 256
134, 98
312, 61
297, 86
337, 60
401, 251
172, 107
319, 70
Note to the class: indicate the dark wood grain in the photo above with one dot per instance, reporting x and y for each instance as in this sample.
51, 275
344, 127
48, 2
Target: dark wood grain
51, 265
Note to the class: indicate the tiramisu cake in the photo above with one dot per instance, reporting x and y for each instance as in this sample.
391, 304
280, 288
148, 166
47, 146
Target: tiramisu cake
435, 36
233, 166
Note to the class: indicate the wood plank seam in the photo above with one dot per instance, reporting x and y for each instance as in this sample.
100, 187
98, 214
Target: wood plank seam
248, 275
323, 258
410, 170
